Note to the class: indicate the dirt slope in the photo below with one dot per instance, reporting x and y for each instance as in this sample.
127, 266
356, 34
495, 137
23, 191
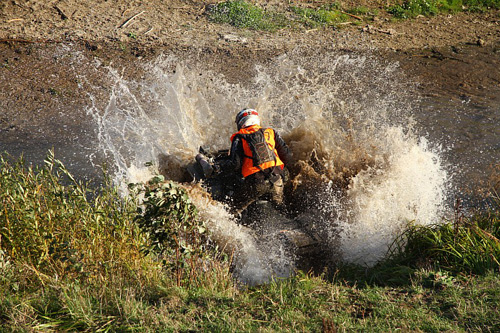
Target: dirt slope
182, 22
453, 56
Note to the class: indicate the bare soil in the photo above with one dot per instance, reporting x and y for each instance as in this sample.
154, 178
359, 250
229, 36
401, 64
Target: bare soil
451, 56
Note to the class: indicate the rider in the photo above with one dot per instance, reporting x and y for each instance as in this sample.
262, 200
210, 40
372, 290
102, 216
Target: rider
259, 155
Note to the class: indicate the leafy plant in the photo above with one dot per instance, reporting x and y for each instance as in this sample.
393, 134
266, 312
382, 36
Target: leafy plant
170, 220
436, 280
413, 8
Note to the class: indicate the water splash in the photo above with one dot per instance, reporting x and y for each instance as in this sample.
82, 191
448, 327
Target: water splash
360, 165
407, 186
251, 265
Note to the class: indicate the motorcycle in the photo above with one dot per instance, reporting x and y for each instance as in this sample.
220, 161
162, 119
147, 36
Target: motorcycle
269, 225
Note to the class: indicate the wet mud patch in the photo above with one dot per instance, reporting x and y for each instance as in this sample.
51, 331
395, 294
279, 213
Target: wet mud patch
466, 73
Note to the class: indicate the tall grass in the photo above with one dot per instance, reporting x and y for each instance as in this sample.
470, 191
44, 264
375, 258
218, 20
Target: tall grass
463, 246
468, 245
72, 259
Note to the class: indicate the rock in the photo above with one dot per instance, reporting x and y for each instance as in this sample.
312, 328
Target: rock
368, 28
234, 38
480, 42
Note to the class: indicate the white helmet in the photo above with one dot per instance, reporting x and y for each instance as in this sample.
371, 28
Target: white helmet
247, 117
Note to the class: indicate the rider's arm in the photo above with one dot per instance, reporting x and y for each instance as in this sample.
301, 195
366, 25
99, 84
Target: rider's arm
235, 155
283, 151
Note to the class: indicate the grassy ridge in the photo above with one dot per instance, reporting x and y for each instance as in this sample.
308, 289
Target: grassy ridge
245, 14
71, 259
412, 8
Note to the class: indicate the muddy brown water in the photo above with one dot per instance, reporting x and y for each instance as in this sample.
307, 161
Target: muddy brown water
47, 92
381, 139
460, 107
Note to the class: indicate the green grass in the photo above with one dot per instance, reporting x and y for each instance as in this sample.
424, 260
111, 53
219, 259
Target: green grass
322, 16
413, 8
468, 245
72, 258
246, 15
243, 14
75, 259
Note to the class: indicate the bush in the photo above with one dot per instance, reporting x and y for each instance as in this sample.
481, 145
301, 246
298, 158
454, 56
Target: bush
175, 233
74, 259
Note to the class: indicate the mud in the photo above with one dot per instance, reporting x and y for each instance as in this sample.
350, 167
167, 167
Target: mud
47, 48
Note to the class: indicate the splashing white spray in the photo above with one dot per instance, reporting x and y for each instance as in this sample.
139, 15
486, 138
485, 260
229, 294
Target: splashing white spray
252, 266
407, 186
353, 111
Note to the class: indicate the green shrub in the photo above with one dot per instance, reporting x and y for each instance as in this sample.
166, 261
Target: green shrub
174, 231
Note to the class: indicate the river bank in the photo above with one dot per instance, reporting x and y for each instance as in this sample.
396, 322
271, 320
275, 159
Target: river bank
459, 51
54, 53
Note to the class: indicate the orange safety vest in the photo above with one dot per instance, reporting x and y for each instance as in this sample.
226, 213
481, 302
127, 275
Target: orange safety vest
248, 167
